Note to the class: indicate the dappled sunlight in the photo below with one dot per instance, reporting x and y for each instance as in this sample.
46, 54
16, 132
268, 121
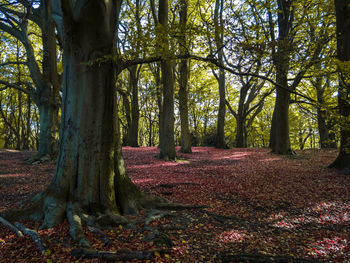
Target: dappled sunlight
337, 213
142, 181
232, 236
328, 246
155, 165
236, 156
333, 212
272, 159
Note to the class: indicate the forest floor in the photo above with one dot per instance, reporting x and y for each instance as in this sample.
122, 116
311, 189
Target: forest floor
258, 207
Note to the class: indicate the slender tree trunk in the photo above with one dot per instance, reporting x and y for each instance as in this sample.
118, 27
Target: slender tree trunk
135, 111
183, 83
167, 143
327, 137
28, 123
219, 35
342, 8
241, 118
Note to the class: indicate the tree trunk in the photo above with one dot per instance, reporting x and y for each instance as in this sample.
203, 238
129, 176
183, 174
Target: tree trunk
50, 76
241, 117
241, 140
166, 139
279, 134
183, 83
220, 129
342, 8
327, 137
135, 111
90, 183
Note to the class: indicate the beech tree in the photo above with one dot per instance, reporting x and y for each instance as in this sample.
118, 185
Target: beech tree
90, 184
166, 137
219, 40
186, 141
342, 9
45, 93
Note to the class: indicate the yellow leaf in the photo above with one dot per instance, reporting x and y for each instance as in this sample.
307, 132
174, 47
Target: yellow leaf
157, 254
166, 255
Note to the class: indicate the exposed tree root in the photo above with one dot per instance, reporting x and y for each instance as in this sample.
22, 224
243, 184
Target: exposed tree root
262, 258
39, 159
11, 227
122, 255
154, 215
101, 234
34, 236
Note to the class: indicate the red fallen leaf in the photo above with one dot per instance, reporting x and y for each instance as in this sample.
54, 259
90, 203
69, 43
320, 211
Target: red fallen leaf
258, 189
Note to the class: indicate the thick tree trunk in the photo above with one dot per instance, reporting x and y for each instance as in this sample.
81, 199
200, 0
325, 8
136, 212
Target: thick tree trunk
90, 183
279, 134
167, 143
241, 140
186, 141
343, 52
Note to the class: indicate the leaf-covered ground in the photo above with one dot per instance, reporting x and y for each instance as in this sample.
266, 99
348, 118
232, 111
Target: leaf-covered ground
259, 207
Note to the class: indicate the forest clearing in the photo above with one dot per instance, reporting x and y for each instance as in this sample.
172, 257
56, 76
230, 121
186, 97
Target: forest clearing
257, 207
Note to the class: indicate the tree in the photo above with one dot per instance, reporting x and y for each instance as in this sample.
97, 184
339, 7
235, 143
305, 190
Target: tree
342, 9
47, 85
279, 138
186, 140
219, 40
90, 183
166, 137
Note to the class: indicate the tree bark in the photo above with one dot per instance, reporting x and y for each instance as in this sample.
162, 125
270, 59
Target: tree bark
327, 136
135, 111
342, 8
186, 141
90, 183
219, 35
167, 143
279, 135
